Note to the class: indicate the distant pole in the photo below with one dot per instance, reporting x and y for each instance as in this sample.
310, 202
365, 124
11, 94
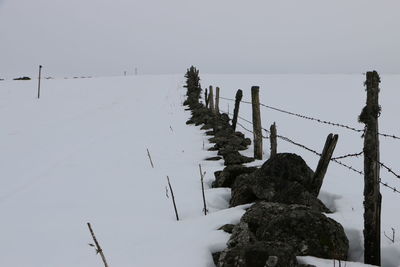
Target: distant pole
217, 100
136, 71
255, 100
211, 101
206, 97
40, 77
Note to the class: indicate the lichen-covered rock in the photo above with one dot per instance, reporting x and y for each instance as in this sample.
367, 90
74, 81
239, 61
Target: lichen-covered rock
258, 254
236, 158
285, 178
227, 176
309, 232
289, 166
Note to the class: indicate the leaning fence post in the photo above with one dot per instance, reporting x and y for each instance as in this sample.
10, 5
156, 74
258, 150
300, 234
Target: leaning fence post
97, 245
238, 98
372, 196
323, 163
217, 100
255, 100
273, 139
173, 199
211, 99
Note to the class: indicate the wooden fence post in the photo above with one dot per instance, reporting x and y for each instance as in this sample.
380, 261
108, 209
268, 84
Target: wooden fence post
255, 100
206, 97
173, 199
40, 77
372, 196
273, 139
217, 100
323, 163
97, 245
238, 98
211, 100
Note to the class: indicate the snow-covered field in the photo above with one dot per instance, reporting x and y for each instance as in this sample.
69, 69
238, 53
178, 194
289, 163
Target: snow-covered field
79, 155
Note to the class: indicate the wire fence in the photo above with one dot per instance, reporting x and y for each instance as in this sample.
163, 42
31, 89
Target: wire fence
314, 119
334, 159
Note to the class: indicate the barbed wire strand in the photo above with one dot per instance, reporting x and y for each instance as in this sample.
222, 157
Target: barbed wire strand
350, 155
302, 116
351, 168
315, 119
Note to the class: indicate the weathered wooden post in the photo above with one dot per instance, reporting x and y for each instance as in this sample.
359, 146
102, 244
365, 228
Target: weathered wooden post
173, 199
273, 139
96, 244
205, 210
255, 100
238, 98
372, 196
217, 100
323, 163
206, 97
40, 77
211, 100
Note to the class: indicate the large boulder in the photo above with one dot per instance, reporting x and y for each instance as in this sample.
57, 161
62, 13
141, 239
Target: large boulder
289, 166
285, 178
273, 234
307, 231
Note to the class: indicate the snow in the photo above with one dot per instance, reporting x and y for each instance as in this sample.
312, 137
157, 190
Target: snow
79, 155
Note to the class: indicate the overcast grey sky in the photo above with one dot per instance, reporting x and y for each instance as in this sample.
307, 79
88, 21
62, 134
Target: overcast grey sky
106, 37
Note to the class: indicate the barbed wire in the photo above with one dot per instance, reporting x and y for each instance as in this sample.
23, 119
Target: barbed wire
315, 119
350, 155
395, 190
389, 135
335, 159
302, 116
388, 169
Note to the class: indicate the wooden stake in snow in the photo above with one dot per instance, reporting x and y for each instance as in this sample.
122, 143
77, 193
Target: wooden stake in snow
148, 154
255, 101
97, 245
238, 98
40, 77
206, 97
372, 196
217, 100
173, 199
323, 163
211, 101
202, 190
273, 139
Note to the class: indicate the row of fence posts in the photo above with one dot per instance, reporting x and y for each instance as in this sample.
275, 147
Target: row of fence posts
369, 116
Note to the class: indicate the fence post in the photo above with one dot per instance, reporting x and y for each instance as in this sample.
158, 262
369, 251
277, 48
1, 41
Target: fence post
211, 100
206, 97
273, 139
255, 100
40, 77
372, 196
238, 98
217, 100
323, 163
